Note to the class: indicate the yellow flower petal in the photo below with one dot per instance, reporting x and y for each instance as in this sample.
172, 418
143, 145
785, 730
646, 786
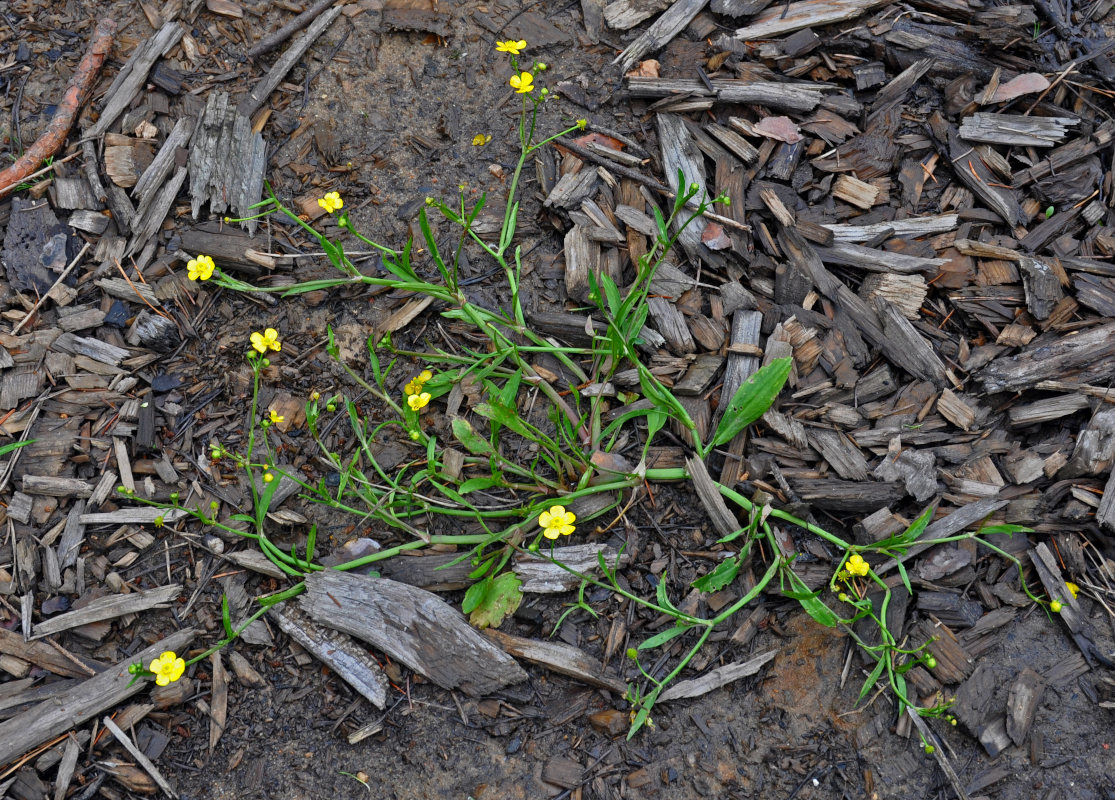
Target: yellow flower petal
331, 202
522, 83
200, 268
512, 47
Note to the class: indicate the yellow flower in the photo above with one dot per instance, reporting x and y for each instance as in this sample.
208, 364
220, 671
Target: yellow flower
269, 339
582, 123
857, 566
416, 383
556, 522
167, 668
417, 401
512, 47
522, 83
481, 139
268, 477
331, 202
275, 417
200, 268
1073, 588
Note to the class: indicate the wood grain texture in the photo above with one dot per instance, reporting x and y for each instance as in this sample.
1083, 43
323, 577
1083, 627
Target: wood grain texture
412, 626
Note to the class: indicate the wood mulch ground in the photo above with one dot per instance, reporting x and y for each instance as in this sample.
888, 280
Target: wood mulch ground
922, 215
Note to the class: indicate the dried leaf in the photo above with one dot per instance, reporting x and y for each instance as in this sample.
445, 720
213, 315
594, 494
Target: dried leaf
714, 238
1027, 83
781, 128
646, 69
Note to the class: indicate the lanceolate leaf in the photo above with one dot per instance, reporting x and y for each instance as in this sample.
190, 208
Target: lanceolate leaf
752, 399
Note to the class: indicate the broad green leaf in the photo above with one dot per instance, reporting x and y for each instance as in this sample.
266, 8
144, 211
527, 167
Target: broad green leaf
477, 484
720, 577
752, 399
661, 638
501, 600
474, 596
476, 444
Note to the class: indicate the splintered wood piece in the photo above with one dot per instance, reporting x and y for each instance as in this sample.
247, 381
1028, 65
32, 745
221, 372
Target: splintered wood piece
624, 14
81, 702
742, 362
1025, 696
1015, 129
162, 165
582, 258
836, 495
338, 651
542, 576
902, 228
1043, 288
803, 14
905, 292
1105, 514
660, 33
792, 97
66, 767
722, 517
972, 172
138, 515
109, 608
671, 324
859, 193
952, 407
43, 655
291, 56
841, 454
147, 764
218, 703
954, 664
715, 678
412, 626
561, 658
133, 75
680, 155
1088, 356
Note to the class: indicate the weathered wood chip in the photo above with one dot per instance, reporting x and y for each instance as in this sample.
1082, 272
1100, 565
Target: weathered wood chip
412, 626
109, 608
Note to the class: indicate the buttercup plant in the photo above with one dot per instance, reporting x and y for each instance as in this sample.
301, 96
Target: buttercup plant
525, 467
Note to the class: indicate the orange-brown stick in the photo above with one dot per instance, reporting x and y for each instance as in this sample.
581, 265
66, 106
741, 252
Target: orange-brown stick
77, 94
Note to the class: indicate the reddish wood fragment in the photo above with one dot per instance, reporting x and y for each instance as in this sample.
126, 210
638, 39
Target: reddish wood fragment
77, 93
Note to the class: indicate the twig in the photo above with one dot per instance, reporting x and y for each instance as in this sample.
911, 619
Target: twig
42, 299
77, 93
268, 43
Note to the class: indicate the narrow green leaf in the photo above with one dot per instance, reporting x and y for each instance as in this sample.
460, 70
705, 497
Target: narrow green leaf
871, 679
226, 618
662, 637
810, 601
8, 448
905, 578
752, 399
